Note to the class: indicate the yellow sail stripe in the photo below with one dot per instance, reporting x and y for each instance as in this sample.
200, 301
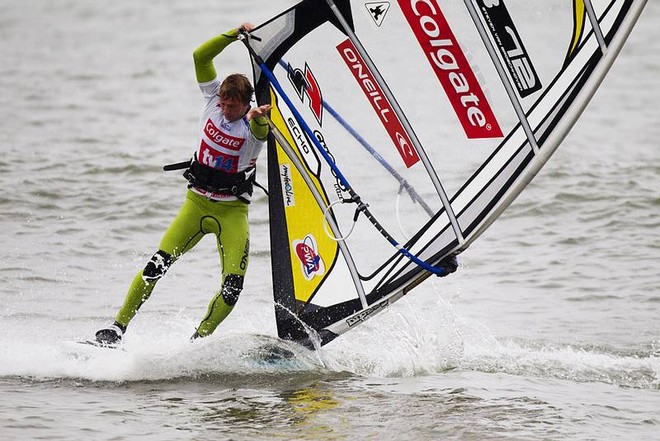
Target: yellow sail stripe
304, 219
579, 19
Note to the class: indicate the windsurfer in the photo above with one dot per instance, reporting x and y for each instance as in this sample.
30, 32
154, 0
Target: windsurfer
221, 176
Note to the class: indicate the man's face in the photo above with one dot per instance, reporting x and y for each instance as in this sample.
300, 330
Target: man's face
232, 108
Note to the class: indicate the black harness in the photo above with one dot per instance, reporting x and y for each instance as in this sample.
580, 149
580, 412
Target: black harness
216, 181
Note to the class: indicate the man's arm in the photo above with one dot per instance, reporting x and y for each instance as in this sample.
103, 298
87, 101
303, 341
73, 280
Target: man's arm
204, 55
259, 128
205, 72
258, 122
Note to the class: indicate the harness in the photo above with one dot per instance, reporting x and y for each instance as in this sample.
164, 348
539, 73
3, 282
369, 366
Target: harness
216, 181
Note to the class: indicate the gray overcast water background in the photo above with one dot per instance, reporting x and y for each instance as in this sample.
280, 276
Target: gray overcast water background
549, 330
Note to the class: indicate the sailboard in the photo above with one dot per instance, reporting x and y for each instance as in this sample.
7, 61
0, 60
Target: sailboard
88, 348
402, 129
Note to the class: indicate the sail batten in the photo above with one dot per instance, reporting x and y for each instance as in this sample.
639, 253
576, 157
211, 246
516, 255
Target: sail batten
595, 25
492, 52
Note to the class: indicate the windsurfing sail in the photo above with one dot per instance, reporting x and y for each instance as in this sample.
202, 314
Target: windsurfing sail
436, 113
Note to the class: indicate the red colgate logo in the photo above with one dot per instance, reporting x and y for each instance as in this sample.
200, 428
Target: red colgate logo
222, 139
451, 67
379, 102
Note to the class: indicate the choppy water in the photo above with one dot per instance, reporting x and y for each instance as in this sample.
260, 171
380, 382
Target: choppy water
548, 331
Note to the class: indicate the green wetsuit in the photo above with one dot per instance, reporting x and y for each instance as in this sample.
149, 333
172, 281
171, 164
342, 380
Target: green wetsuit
199, 216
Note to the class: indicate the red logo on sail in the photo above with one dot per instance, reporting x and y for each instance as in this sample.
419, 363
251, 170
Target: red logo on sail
304, 82
379, 102
310, 260
451, 67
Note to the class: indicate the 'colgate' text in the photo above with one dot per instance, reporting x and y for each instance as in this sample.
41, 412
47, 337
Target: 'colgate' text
451, 67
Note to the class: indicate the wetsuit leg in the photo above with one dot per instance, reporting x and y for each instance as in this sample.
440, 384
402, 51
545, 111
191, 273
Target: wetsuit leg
221, 305
234, 249
184, 233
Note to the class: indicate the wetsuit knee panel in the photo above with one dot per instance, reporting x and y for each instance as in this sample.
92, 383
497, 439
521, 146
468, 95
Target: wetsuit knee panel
231, 288
157, 266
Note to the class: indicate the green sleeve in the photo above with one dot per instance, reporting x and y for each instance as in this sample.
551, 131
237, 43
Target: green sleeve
204, 55
259, 127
